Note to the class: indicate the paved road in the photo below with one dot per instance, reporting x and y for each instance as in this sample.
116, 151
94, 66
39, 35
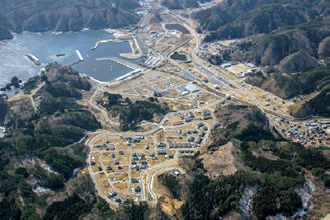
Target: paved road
159, 127
150, 186
213, 77
103, 112
209, 72
33, 92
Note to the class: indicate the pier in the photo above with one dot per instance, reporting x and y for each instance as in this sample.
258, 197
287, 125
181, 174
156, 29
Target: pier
79, 55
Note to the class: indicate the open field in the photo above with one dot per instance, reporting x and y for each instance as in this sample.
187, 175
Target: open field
239, 68
118, 176
135, 174
123, 147
120, 186
123, 168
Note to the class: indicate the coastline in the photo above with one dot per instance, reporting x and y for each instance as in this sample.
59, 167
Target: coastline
114, 33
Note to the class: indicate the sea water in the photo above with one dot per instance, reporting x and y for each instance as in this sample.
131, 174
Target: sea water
45, 46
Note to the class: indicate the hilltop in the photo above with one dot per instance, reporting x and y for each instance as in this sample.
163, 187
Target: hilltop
72, 15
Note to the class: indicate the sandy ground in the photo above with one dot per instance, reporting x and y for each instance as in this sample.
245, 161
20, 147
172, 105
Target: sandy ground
171, 207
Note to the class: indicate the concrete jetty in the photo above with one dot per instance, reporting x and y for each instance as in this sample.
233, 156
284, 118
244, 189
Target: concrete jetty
112, 40
96, 45
79, 55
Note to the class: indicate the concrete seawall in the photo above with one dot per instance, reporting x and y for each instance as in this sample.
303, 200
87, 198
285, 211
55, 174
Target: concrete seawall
122, 62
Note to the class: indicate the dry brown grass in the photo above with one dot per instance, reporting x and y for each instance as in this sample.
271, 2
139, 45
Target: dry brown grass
124, 168
177, 139
135, 174
114, 139
160, 136
139, 146
103, 183
120, 186
123, 160
147, 140
132, 196
122, 147
119, 176
153, 162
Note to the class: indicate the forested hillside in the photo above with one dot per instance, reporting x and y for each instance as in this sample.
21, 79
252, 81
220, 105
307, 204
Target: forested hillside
241, 18
318, 105
287, 86
63, 15
289, 36
42, 149
271, 172
45, 136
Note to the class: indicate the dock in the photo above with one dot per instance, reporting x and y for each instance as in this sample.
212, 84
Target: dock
79, 55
